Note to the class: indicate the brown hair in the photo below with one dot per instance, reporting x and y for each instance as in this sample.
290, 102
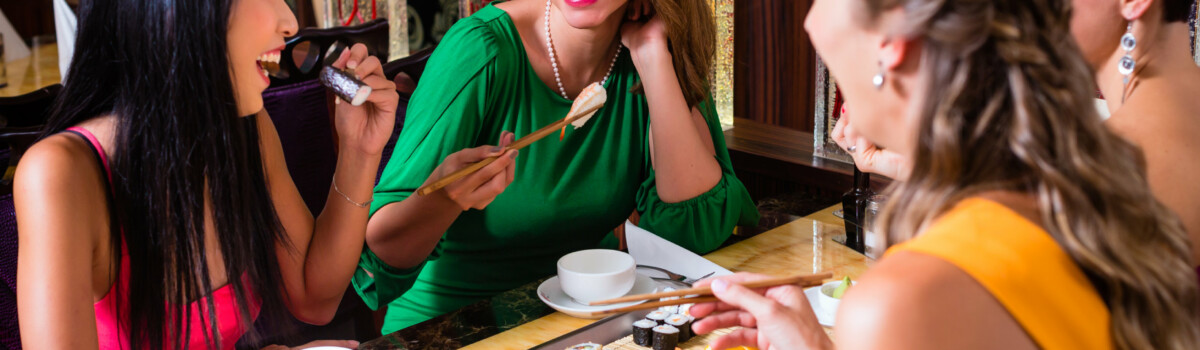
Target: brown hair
1009, 108
692, 36
1178, 10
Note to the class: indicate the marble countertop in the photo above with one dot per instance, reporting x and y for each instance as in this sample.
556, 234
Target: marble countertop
518, 320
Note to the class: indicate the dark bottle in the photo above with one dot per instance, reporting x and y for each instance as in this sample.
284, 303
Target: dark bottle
854, 207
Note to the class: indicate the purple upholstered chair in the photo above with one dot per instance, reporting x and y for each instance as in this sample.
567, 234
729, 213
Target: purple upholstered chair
10, 336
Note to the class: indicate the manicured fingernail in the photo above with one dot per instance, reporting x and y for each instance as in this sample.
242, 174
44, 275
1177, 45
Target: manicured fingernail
719, 286
513, 155
352, 64
354, 343
496, 149
337, 101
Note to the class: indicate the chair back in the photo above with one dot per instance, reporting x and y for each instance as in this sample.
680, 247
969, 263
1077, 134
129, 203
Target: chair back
10, 336
305, 54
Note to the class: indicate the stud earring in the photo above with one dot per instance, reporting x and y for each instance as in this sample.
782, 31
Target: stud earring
1126, 65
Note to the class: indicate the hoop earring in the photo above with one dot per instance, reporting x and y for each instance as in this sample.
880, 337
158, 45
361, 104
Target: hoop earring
1126, 65
879, 78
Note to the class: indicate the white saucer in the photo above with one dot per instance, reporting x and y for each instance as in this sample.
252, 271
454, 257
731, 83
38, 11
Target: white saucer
552, 294
824, 317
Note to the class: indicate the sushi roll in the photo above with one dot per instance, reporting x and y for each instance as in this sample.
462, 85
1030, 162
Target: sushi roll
666, 337
658, 316
672, 309
642, 330
586, 346
684, 324
345, 85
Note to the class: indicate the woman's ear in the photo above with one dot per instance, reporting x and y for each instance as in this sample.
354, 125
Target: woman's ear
1134, 9
893, 52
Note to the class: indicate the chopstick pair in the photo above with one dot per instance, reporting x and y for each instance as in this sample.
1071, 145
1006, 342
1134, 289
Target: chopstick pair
702, 295
581, 113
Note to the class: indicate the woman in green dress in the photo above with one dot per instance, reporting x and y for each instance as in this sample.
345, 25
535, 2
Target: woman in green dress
655, 148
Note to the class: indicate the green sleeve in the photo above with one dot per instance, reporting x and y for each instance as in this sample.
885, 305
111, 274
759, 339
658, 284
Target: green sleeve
702, 223
445, 116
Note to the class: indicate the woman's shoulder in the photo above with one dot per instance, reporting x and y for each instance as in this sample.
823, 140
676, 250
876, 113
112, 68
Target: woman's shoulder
482, 33
64, 159
909, 300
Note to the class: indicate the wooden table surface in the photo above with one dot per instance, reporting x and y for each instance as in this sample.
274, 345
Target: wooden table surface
37, 71
804, 245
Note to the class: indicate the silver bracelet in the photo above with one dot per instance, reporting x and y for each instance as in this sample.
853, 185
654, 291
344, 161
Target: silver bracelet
357, 204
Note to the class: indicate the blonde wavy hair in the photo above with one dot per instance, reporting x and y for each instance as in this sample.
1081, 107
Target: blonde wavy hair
1009, 108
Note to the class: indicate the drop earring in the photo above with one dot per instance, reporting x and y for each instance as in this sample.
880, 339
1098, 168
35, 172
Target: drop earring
1126, 65
879, 78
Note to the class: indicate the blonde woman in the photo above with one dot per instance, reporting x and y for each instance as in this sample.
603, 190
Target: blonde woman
1022, 222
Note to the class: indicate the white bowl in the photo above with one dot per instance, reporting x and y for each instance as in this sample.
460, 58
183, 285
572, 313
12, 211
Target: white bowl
596, 274
551, 293
828, 303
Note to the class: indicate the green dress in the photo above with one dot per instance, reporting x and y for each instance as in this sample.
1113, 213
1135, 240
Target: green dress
568, 195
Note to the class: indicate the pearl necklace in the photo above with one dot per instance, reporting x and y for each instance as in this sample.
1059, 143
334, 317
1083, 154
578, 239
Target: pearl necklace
554, 61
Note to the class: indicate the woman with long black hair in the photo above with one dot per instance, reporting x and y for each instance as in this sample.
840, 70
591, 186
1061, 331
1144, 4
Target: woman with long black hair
159, 193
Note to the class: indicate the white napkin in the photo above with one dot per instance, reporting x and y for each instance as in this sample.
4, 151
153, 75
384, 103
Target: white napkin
650, 249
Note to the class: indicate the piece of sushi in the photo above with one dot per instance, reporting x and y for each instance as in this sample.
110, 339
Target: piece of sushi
642, 330
683, 323
670, 309
587, 346
345, 85
666, 337
592, 96
658, 316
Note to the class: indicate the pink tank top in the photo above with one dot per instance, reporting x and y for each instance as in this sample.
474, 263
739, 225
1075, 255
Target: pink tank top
112, 336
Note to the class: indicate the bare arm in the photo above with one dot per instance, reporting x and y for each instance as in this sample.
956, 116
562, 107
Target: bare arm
402, 234
317, 266
682, 150
63, 225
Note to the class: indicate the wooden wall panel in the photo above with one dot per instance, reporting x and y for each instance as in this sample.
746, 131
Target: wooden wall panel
773, 63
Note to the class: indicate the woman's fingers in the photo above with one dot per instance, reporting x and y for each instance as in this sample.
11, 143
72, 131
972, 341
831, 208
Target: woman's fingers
358, 54
725, 320
369, 66
736, 338
736, 295
343, 58
491, 181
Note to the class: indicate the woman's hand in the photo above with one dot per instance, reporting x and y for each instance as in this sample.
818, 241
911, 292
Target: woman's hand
366, 128
774, 318
349, 344
867, 156
479, 189
644, 37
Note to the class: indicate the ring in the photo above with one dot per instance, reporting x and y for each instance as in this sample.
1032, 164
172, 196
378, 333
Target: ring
852, 148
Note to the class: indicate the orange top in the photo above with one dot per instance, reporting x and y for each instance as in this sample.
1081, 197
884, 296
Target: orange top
1024, 268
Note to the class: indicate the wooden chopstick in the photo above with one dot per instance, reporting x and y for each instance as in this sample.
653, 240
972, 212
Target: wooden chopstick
654, 305
516, 145
804, 280
703, 295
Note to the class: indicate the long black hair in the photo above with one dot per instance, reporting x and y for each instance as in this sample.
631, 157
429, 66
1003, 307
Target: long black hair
161, 68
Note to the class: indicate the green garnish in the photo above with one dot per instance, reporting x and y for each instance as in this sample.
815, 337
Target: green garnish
841, 289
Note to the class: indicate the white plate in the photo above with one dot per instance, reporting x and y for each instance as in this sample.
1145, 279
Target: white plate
552, 294
824, 317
